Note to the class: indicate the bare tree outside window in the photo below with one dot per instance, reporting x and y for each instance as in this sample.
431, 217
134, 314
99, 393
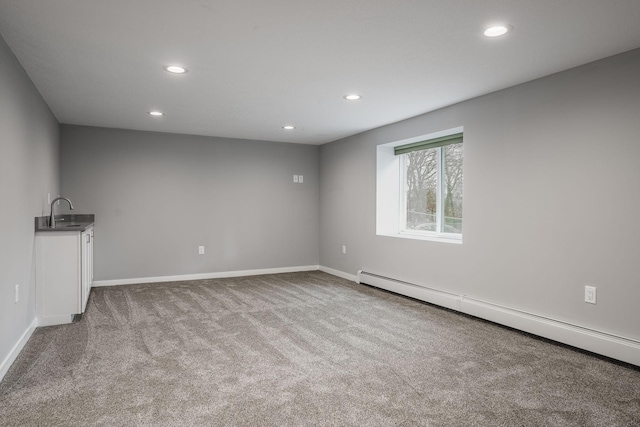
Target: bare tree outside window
452, 188
422, 187
424, 191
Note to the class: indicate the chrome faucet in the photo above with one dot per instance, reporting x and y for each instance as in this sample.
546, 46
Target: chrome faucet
52, 218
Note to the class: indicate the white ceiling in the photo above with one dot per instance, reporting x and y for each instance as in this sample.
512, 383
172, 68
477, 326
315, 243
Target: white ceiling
257, 65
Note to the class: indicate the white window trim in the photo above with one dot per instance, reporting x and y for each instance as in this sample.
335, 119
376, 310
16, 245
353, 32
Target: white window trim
390, 213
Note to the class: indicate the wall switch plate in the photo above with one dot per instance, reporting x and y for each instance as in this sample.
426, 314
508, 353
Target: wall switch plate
295, 178
344, 249
590, 294
17, 295
200, 250
300, 179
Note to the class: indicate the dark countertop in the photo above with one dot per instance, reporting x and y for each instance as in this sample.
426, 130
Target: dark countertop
65, 222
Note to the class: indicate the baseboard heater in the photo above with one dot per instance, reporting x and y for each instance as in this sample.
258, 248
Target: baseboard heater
604, 343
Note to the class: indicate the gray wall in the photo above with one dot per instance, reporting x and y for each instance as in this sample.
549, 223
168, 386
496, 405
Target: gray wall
551, 199
158, 196
28, 171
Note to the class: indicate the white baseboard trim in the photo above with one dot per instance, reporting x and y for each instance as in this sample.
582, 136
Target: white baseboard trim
599, 342
201, 276
338, 273
17, 348
434, 296
606, 344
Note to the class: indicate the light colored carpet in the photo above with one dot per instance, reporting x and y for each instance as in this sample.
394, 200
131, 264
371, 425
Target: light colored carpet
301, 349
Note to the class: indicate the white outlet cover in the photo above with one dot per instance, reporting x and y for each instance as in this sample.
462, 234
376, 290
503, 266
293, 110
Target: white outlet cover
590, 294
300, 179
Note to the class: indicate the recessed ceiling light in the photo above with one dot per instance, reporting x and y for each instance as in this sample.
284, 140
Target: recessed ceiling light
175, 69
156, 113
497, 31
352, 97
288, 127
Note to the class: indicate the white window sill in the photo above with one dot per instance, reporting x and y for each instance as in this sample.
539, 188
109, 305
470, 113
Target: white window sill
429, 237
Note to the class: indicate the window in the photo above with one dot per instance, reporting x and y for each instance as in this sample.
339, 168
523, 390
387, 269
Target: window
428, 182
431, 174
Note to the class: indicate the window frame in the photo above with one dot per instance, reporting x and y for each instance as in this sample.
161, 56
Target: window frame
440, 196
390, 188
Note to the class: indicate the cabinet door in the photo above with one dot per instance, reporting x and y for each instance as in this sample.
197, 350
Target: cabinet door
58, 277
85, 263
91, 259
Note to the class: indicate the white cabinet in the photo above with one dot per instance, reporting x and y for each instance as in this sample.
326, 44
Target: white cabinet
64, 274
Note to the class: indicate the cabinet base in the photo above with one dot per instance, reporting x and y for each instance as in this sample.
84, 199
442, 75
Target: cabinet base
55, 320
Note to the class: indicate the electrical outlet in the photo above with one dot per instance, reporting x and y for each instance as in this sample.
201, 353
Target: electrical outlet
344, 249
200, 250
17, 294
300, 179
295, 178
590, 294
